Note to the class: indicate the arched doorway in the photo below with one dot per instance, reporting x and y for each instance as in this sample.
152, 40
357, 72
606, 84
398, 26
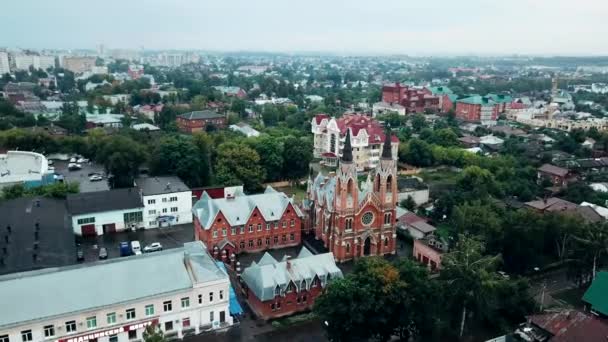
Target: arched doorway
367, 246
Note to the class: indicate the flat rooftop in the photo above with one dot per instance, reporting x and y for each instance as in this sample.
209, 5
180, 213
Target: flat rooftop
61, 291
55, 240
160, 185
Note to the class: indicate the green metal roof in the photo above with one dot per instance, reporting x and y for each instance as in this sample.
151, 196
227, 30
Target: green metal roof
477, 99
500, 98
597, 293
440, 90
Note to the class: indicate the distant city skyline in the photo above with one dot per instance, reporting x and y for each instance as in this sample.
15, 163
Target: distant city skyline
465, 27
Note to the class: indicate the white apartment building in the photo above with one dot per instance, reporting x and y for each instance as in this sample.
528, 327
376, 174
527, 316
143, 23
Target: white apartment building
366, 138
167, 201
23, 61
181, 290
5, 67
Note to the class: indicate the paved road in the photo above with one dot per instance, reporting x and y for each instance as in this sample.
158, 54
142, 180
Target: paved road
82, 176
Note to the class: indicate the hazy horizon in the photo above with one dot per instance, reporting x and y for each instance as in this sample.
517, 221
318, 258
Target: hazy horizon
466, 27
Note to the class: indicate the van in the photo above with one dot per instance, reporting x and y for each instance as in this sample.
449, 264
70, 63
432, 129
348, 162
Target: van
135, 247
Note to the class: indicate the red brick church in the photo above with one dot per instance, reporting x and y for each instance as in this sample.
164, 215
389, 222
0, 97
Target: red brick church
352, 220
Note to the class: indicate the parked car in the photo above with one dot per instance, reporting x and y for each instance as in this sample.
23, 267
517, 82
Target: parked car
153, 247
135, 247
103, 253
82, 160
74, 166
95, 178
125, 249
79, 255
72, 160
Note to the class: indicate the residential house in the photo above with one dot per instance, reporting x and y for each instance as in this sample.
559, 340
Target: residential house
381, 108
247, 223
558, 176
366, 136
200, 121
416, 226
596, 298
562, 326
414, 99
429, 251
469, 141
447, 98
558, 205
278, 288
477, 108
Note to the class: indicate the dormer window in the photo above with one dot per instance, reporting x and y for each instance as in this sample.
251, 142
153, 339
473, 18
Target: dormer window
303, 285
277, 291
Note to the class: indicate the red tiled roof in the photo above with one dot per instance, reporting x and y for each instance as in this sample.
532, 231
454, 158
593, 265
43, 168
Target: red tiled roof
329, 155
320, 117
357, 122
571, 326
553, 170
410, 218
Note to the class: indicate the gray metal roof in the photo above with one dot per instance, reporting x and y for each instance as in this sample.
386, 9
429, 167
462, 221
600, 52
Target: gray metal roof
101, 201
263, 277
237, 210
160, 185
60, 291
201, 114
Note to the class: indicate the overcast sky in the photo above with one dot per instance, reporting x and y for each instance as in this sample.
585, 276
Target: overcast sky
562, 27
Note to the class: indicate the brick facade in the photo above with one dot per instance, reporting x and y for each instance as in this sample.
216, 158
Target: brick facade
197, 125
414, 100
284, 305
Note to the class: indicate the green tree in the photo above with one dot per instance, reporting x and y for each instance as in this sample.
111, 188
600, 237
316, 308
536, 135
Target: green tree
418, 122
270, 150
153, 333
121, 157
470, 276
297, 155
177, 155
408, 203
445, 137
417, 152
477, 182
478, 219
238, 164
594, 240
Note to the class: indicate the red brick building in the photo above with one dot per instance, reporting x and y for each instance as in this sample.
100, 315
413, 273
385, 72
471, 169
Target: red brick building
447, 98
355, 222
199, 121
247, 223
413, 99
274, 289
477, 109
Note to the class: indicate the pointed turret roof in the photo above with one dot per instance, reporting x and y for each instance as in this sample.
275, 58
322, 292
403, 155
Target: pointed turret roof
387, 148
347, 152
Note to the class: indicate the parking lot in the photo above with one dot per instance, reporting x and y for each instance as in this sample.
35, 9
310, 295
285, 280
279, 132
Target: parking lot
171, 237
82, 176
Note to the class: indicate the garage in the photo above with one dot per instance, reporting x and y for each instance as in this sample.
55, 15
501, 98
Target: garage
88, 230
109, 228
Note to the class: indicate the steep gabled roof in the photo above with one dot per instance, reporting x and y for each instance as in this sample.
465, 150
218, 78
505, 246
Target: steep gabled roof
271, 205
264, 277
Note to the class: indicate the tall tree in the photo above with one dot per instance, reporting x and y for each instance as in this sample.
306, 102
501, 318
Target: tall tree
153, 333
297, 155
594, 239
121, 157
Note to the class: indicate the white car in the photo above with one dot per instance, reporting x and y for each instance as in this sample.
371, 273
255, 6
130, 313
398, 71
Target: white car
72, 160
82, 160
153, 247
95, 178
135, 247
74, 166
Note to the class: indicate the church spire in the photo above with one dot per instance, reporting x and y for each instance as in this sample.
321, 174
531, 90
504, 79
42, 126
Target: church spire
347, 152
387, 147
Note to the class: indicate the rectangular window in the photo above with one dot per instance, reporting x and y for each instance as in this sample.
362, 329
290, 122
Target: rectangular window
284, 224
132, 334
186, 322
152, 223
169, 326
276, 239
215, 233
251, 228
86, 220
113, 338
111, 318
200, 299
150, 310
4, 338
130, 313
26, 335
233, 231
167, 306
259, 227
164, 210
242, 229
151, 212
210, 296
291, 237
133, 217
250, 243
221, 294
70, 326
211, 316
224, 232
164, 199
267, 226
292, 223
49, 331
173, 199
284, 238
276, 225
91, 322
173, 209
185, 302
151, 201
